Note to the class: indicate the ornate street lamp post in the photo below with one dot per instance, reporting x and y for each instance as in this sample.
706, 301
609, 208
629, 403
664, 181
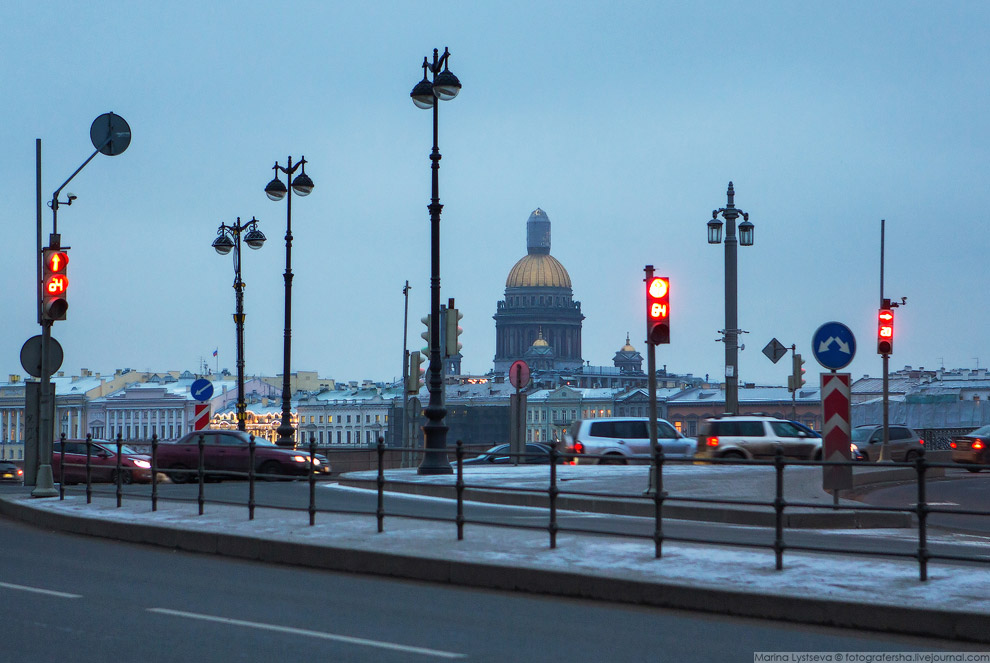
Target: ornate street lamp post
444, 87
229, 237
276, 190
731, 332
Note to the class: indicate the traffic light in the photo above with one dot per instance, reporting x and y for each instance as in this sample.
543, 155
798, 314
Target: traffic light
658, 309
415, 377
453, 332
54, 284
425, 335
885, 331
796, 379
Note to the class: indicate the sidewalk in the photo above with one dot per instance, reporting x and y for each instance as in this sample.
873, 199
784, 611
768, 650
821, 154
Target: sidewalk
811, 588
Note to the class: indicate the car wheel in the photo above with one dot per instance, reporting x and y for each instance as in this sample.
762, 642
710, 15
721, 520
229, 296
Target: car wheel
272, 468
180, 476
818, 455
974, 469
125, 477
911, 456
612, 459
734, 455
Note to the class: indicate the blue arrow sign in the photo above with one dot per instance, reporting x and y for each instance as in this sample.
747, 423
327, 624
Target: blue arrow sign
833, 345
201, 389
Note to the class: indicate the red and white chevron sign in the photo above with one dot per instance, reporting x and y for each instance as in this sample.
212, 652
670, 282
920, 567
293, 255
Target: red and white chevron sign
201, 418
836, 430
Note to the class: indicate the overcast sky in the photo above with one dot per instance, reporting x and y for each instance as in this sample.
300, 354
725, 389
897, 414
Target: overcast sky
624, 121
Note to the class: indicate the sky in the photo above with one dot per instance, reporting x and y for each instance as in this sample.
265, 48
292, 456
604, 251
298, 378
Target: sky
624, 121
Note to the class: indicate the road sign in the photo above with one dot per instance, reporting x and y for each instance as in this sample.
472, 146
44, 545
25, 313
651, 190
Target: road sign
774, 351
201, 389
834, 345
519, 374
201, 418
836, 430
31, 356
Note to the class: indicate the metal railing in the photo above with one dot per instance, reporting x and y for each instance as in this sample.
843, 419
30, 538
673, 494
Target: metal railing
657, 494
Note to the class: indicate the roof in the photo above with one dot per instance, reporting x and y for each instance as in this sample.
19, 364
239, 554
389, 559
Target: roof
539, 270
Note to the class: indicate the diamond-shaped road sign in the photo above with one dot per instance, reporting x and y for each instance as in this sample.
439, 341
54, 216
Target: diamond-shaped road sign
774, 351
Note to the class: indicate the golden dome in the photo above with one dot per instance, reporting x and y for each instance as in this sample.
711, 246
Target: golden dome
539, 270
627, 347
540, 342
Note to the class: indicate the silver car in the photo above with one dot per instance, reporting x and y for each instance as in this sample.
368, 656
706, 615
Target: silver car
752, 436
619, 440
902, 442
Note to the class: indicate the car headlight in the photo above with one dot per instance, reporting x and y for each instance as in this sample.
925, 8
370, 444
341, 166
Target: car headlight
143, 464
316, 461
300, 459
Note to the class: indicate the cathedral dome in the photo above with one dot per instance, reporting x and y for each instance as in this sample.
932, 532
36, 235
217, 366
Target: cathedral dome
540, 270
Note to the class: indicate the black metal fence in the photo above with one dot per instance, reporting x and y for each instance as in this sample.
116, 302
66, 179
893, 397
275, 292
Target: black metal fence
656, 494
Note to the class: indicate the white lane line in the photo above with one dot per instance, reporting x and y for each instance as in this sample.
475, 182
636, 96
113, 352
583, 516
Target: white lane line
312, 634
38, 590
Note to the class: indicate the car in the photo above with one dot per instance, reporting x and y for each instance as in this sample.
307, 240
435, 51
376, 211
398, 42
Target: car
902, 442
619, 440
9, 472
971, 448
500, 455
227, 453
135, 467
754, 437
322, 464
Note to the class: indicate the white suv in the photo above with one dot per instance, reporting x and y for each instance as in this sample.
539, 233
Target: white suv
616, 441
751, 436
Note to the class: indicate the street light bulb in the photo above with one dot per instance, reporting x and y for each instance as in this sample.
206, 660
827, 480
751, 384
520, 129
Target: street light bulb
714, 231
746, 233
302, 185
422, 94
223, 245
255, 238
275, 189
446, 86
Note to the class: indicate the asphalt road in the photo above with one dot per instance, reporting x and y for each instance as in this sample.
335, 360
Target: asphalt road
82, 599
295, 494
957, 491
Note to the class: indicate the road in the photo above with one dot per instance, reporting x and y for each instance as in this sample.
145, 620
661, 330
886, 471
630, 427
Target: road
961, 490
331, 497
81, 599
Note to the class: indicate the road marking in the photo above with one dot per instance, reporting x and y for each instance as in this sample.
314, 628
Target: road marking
38, 590
312, 634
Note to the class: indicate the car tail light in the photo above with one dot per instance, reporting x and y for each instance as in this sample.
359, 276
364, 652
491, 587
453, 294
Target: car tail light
578, 447
712, 441
952, 445
920, 441
20, 473
978, 444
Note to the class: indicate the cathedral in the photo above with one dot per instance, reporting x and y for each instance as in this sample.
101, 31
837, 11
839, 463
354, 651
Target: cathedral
538, 320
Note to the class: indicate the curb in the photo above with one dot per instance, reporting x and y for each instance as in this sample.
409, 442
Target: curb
946, 624
807, 519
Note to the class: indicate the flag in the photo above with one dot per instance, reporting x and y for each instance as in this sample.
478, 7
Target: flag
215, 352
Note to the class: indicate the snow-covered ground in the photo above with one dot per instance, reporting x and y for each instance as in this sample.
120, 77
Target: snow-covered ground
867, 579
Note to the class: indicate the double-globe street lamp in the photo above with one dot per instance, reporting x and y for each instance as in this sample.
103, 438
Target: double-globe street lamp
443, 87
229, 238
731, 332
276, 190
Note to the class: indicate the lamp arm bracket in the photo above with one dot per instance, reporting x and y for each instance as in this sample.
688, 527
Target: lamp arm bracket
54, 203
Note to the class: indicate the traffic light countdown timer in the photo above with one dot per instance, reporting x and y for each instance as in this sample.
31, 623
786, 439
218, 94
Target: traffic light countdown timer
54, 284
658, 309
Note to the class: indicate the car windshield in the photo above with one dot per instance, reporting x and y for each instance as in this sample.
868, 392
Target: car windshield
112, 449
861, 434
983, 431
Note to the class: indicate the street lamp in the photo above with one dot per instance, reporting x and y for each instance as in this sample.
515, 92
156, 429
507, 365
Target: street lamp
229, 238
731, 332
425, 94
276, 190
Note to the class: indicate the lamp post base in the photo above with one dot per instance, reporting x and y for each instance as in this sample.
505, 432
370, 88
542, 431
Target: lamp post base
45, 483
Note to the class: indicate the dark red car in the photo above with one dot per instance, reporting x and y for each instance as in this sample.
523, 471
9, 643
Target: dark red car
134, 467
227, 452
973, 449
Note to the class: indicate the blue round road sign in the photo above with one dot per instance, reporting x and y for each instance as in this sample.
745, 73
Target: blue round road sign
833, 345
201, 389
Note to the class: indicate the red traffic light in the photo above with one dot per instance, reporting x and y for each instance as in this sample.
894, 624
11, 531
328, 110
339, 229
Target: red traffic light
885, 331
658, 309
54, 285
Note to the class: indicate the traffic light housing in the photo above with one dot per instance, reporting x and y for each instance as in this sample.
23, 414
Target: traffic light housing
54, 284
885, 331
796, 379
415, 378
425, 335
658, 309
453, 331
